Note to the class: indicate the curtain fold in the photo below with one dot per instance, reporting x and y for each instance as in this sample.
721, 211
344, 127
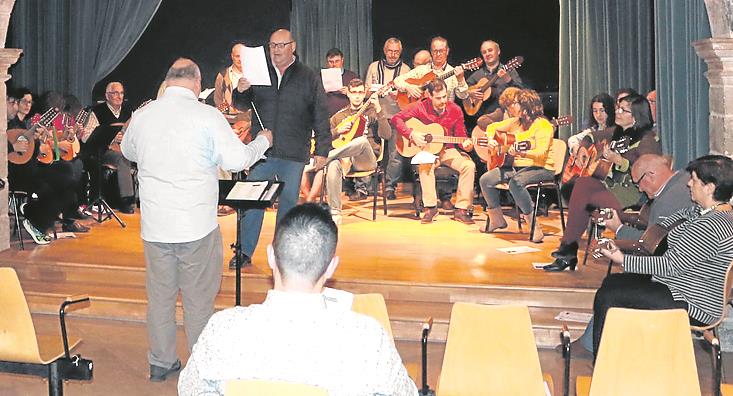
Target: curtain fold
604, 46
682, 94
319, 25
69, 45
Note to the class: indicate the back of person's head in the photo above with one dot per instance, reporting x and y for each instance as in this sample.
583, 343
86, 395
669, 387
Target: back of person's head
183, 69
53, 99
305, 243
530, 103
715, 169
640, 110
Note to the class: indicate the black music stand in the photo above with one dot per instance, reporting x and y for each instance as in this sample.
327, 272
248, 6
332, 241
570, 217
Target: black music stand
94, 148
270, 190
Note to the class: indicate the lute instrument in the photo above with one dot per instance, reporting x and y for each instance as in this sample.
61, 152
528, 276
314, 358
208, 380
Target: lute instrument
29, 135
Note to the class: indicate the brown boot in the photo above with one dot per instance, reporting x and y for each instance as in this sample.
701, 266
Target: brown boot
538, 234
495, 220
429, 215
462, 216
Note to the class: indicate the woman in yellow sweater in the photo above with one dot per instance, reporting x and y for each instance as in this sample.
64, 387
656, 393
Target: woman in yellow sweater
521, 167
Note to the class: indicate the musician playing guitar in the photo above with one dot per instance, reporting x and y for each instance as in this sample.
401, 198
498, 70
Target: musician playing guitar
361, 152
528, 124
438, 109
490, 111
456, 84
114, 111
617, 190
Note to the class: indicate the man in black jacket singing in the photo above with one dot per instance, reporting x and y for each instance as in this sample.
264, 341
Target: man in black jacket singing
292, 106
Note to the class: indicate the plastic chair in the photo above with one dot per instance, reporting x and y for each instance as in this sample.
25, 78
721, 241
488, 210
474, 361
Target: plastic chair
24, 352
270, 388
491, 350
643, 352
373, 305
558, 151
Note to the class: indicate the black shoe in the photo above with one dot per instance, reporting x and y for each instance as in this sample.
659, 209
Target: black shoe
391, 196
79, 215
74, 227
159, 374
566, 250
447, 205
245, 260
561, 263
429, 215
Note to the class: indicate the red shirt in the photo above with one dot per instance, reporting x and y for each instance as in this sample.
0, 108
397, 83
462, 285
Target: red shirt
451, 119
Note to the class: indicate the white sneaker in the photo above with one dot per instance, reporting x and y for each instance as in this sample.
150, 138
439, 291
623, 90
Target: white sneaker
38, 237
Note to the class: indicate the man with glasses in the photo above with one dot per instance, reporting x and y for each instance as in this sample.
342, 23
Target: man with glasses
114, 111
292, 107
379, 73
439, 50
338, 100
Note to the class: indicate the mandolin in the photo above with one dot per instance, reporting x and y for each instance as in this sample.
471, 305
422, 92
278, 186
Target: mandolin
405, 101
29, 135
357, 121
485, 84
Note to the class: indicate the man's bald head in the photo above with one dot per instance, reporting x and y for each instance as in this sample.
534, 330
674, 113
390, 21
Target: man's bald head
422, 57
184, 73
651, 172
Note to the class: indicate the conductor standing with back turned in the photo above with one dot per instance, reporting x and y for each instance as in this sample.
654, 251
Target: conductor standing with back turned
178, 143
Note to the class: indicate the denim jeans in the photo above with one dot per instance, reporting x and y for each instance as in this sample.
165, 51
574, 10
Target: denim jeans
287, 171
517, 179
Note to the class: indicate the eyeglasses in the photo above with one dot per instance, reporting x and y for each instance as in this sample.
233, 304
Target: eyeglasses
393, 52
439, 51
622, 110
26, 101
116, 93
12, 100
643, 175
278, 45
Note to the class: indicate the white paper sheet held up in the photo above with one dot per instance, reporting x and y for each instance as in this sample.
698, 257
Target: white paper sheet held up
205, 93
254, 66
332, 80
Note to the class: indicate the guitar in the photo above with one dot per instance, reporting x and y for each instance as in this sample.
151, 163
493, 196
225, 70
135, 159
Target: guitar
115, 144
434, 138
636, 220
586, 162
29, 135
405, 101
497, 157
653, 242
485, 84
357, 121
70, 148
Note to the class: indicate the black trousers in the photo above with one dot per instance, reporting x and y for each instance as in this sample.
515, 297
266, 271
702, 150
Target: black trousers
55, 186
629, 290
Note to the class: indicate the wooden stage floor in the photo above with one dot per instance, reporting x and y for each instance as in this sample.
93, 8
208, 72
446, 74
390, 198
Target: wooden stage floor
420, 268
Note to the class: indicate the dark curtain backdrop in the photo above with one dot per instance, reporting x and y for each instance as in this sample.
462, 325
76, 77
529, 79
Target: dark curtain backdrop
604, 46
682, 89
319, 25
68, 45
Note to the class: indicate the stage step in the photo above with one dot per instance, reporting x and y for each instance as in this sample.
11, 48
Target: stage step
119, 293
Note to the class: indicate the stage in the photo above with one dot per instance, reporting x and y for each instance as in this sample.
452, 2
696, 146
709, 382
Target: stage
421, 269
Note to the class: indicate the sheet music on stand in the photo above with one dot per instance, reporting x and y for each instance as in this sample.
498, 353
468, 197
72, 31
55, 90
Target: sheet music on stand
249, 193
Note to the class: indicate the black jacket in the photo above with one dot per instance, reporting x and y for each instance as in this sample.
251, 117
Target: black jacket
291, 112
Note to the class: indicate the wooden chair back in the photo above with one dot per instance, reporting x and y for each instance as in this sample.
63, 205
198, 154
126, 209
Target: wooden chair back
373, 305
18, 342
490, 350
270, 388
559, 147
645, 352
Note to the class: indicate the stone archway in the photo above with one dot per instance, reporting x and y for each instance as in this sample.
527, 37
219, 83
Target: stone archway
8, 57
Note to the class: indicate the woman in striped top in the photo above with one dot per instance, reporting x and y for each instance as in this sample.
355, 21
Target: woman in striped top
691, 273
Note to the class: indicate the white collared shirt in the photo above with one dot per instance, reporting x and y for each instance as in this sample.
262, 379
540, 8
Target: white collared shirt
295, 337
178, 143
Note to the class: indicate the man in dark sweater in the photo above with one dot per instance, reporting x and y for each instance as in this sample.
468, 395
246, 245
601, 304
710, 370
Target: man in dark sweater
112, 112
292, 106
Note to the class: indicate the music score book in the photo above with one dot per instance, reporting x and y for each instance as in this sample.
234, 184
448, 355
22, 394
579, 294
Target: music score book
251, 191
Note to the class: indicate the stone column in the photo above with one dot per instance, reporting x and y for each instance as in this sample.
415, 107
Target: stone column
717, 52
8, 57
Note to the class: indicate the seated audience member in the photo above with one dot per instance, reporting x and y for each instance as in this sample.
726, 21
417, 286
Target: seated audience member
691, 273
617, 190
295, 336
667, 192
